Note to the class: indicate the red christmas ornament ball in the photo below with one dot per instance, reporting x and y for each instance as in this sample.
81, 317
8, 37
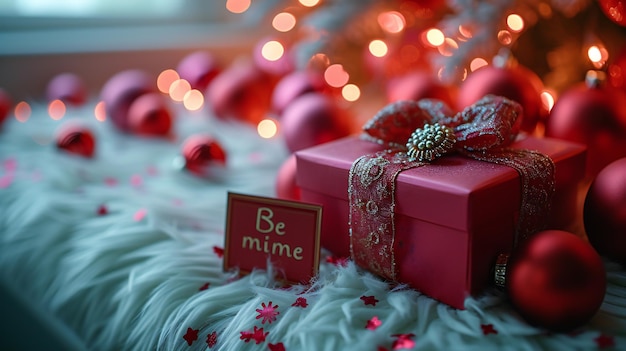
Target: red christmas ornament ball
286, 187
556, 280
604, 213
518, 84
76, 139
199, 69
242, 92
202, 154
418, 85
592, 116
119, 92
67, 87
615, 10
5, 105
617, 71
294, 85
313, 119
150, 115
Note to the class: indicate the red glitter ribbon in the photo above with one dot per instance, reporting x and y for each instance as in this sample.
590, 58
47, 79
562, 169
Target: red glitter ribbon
483, 131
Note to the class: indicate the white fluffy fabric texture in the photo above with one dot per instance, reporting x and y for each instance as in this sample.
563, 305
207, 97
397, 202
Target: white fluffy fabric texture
130, 279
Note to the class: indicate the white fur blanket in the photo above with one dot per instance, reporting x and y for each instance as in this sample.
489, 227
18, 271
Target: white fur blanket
145, 275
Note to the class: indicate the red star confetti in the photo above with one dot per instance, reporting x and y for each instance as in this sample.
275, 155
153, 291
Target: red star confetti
6, 180
268, 313
258, 335
10, 165
204, 286
140, 214
300, 302
604, 341
36, 176
191, 336
136, 180
110, 181
211, 339
102, 210
337, 261
488, 329
373, 323
152, 170
276, 347
255, 157
403, 341
219, 251
369, 300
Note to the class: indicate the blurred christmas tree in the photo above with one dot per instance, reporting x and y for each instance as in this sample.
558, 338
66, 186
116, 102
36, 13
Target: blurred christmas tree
532, 51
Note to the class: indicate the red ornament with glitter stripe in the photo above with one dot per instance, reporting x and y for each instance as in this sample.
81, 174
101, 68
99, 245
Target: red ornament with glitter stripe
76, 139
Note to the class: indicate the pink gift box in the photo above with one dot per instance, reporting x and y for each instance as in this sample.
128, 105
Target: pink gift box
453, 217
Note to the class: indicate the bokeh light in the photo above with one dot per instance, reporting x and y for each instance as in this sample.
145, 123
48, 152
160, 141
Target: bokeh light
505, 37
238, 6
319, 62
193, 100
378, 48
435, 37
56, 109
477, 63
272, 50
267, 128
100, 112
336, 76
547, 99
598, 55
448, 47
465, 31
178, 89
309, 3
284, 22
515, 22
165, 80
391, 21
22, 111
351, 92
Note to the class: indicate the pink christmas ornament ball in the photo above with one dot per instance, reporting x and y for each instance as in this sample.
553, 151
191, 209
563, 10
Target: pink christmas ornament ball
199, 69
150, 115
313, 119
119, 92
296, 84
5, 105
418, 85
67, 87
242, 92
604, 212
286, 187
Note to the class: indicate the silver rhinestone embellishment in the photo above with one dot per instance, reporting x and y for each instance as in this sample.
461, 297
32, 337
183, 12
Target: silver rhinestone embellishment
429, 142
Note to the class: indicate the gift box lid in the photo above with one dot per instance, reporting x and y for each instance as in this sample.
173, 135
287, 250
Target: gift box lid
452, 184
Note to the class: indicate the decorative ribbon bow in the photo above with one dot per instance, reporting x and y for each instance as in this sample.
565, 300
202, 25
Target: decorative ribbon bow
416, 133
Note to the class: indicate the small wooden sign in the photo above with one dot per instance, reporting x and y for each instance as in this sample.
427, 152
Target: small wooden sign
261, 230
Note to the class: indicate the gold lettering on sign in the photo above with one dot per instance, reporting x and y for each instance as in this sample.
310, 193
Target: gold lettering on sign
265, 225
